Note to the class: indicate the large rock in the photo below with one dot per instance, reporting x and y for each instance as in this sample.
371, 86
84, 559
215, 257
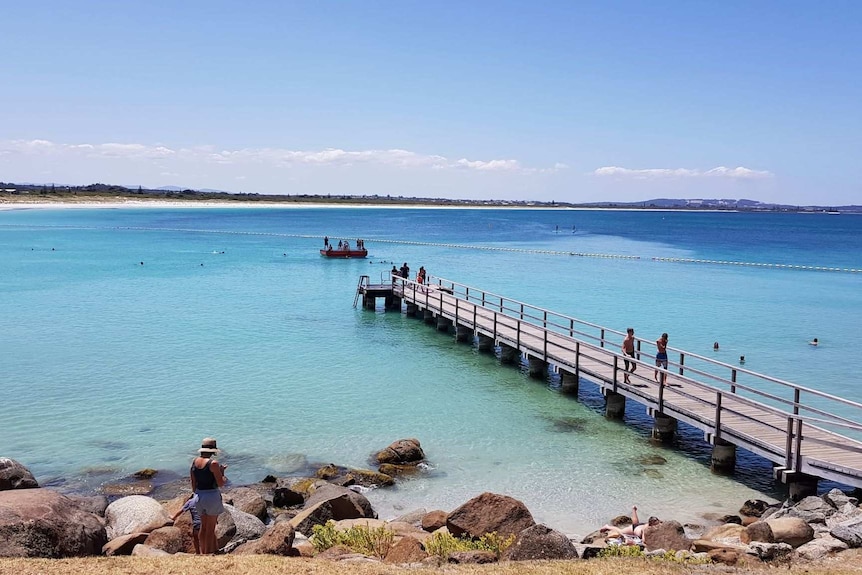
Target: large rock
276, 540
791, 530
134, 514
837, 498
290, 491
810, 509
346, 503
757, 531
850, 532
407, 550
247, 500
247, 525
821, 547
540, 542
401, 452
476, 557
434, 520
724, 532
489, 512
13, 475
667, 535
754, 507
369, 478
44, 523
168, 539
124, 544
305, 520
95, 504
141, 550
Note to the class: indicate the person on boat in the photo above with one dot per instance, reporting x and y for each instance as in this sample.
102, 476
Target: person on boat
326, 241
661, 357
328, 248
346, 246
340, 244
207, 475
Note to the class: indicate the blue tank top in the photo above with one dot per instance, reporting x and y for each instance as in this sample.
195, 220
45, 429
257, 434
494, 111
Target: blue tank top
204, 478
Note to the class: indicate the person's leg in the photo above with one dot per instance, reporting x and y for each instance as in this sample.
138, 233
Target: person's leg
196, 540
626, 371
207, 536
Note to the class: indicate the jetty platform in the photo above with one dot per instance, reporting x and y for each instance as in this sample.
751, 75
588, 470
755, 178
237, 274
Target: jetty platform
807, 434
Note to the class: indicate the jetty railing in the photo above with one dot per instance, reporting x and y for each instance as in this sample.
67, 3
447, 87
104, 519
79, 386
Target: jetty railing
800, 428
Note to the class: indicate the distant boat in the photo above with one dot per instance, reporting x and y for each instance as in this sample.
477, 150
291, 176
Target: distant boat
331, 252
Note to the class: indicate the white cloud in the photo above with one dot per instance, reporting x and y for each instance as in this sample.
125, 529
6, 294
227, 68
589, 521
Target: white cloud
274, 157
656, 173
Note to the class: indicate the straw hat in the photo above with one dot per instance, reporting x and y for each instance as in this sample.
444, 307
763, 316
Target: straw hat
208, 445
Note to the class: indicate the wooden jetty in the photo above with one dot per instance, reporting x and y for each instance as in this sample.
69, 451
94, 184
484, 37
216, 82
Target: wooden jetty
806, 433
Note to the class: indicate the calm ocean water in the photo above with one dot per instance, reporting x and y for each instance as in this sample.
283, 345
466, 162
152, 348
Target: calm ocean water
235, 327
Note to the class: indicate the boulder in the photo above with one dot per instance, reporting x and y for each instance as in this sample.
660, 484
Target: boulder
95, 504
850, 532
346, 503
393, 470
247, 525
724, 556
819, 548
791, 530
305, 520
489, 512
14, 475
414, 517
246, 500
330, 471
434, 520
225, 529
728, 530
540, 542
667, 535
133, 514
706, 546
168, 539
401, 452
276, 540
124, 544
838, 499
475, 557
757, 531
141, 550
407, 550
291, 491
753, 507
369, 478
43, 523
334, 553
810, 509
779, 553
366, 522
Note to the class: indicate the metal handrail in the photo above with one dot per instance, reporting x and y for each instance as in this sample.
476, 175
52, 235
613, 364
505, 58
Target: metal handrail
553, 322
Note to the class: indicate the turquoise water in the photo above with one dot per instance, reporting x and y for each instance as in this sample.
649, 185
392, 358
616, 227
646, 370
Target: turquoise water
235, 327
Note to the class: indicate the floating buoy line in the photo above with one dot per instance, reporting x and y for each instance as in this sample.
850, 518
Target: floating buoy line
467, 247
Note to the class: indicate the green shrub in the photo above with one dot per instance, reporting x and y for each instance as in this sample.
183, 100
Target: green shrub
442, 544
621, 551
374, 542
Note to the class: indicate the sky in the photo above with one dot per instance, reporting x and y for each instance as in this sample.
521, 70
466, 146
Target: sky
549, 101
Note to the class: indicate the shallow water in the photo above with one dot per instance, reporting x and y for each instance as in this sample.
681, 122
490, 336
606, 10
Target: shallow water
235, 327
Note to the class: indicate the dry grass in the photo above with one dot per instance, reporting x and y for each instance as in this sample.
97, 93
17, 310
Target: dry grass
269, 565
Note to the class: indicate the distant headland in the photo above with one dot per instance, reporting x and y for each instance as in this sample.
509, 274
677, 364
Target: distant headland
43, 193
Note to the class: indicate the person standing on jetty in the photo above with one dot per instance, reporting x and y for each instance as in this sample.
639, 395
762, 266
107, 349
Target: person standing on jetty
629, 351
207, 475
405, 271
661, 357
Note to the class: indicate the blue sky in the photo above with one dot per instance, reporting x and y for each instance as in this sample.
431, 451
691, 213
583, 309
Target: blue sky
563, 101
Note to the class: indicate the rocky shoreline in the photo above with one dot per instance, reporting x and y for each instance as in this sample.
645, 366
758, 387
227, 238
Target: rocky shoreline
311, 516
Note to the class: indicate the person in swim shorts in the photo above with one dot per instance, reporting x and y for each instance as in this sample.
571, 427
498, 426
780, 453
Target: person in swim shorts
661, 357
629, 351
207, 475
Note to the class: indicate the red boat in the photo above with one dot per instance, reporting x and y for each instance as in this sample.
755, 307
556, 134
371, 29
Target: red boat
344, 254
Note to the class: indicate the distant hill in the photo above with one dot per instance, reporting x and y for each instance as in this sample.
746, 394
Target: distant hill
60, 192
